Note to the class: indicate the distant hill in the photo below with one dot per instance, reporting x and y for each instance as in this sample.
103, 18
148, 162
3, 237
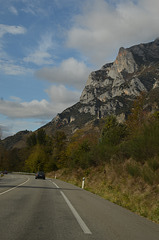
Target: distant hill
109, 90
16, 141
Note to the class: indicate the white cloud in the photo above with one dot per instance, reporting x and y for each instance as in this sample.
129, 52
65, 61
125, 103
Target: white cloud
33, 109
70, 72
8, 67
60, 99
36, 8
39, 58
63, 97
13, 10
40, 55
42, 111
16, 99
102, 28
11, 29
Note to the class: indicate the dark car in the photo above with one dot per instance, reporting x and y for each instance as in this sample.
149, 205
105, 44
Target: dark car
40, 175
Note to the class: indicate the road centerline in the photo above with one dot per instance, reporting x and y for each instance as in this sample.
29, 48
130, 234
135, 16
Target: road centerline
75, 213
15, 187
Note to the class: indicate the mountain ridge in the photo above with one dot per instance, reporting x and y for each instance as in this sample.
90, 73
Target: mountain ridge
113, 88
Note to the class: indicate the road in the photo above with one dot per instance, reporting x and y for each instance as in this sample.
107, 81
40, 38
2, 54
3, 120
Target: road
54, 210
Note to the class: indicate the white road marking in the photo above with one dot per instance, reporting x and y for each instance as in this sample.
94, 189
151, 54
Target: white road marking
54, 184
75, 213
15, 187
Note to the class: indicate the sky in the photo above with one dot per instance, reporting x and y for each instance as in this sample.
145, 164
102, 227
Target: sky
48, 48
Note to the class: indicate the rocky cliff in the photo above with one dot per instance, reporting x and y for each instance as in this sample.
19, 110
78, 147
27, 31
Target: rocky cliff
113, 88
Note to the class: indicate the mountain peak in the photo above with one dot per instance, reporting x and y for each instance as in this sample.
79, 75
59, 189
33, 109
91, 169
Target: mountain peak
113, 88
125, 61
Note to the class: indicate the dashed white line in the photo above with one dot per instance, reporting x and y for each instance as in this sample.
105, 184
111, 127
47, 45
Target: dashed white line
75, 213
15, 187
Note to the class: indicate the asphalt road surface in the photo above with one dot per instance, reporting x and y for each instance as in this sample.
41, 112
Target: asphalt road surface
54, 210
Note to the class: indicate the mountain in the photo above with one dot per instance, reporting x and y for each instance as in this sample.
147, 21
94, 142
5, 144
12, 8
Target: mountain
112, 90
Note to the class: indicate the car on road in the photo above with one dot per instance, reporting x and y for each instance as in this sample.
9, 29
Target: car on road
40, 174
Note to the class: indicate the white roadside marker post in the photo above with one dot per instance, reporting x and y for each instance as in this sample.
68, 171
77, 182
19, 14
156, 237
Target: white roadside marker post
83, 182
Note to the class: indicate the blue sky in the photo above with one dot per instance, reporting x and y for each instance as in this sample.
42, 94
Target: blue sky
49, 47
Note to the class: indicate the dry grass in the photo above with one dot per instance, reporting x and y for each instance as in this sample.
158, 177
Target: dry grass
114, 183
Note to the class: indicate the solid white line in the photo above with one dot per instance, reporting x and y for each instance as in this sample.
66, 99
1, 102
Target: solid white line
15, 187
77, 216
54, 184
75, 213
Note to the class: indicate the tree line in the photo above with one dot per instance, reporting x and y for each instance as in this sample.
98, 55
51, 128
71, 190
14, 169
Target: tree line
137, 138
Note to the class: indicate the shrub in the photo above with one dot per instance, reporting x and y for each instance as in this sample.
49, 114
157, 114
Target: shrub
154, 163
144, 144
103, 153
148, 175
134, 169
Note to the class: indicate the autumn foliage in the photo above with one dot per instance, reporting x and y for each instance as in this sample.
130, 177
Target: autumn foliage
137, 138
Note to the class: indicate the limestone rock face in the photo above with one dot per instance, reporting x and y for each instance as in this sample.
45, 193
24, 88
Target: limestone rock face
113, 88
135, 70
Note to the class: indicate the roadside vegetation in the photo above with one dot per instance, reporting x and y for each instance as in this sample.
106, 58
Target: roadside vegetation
120, 162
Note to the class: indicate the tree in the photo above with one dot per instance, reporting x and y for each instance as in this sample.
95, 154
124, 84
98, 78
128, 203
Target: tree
137, 115
41, 137
37, 160
113, 132
4, 160
59, 149
31, 140
59, 139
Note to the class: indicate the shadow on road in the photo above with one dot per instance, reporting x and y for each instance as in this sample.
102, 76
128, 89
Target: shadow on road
39, 187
